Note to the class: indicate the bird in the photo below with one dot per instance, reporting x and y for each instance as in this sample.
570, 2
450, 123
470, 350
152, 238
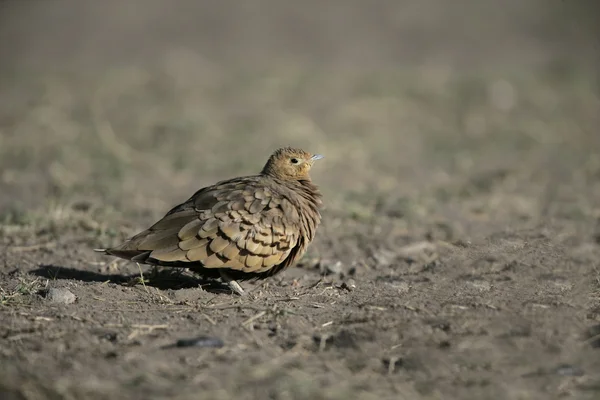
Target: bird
245, 228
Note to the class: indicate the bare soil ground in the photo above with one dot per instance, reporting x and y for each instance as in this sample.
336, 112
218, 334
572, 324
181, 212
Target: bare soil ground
459, 256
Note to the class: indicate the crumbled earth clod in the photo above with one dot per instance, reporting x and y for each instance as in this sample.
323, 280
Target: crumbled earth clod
60, 296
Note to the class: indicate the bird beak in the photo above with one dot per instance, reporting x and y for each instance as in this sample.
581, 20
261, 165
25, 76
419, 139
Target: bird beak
316, 157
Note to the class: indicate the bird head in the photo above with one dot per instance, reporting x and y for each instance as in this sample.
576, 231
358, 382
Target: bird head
290, 164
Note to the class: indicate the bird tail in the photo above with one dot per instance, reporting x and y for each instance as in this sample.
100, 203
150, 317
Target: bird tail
134, 255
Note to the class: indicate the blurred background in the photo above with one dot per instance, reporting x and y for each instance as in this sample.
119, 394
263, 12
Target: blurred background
135, 104
134, 98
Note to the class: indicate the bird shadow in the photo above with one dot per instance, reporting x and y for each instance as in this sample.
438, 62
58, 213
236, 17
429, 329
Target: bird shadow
162, 279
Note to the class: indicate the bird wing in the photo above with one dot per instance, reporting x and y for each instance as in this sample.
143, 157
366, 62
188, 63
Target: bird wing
239, 224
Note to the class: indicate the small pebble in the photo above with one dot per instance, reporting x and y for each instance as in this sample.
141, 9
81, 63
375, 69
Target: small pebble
201, 341
331, 267
349, 285
62, 296
384, 258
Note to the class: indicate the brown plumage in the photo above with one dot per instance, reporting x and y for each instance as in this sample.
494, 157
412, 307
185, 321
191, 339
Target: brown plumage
242, 228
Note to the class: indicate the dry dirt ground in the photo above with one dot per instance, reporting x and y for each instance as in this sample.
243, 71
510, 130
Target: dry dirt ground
459, 256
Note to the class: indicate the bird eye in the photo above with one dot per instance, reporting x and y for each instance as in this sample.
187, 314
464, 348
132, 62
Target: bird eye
294, 161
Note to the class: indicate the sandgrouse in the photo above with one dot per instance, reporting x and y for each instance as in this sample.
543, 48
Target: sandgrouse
243, 228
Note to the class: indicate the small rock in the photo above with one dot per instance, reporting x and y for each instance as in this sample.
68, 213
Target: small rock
462, 243
348, 285
110, 336
60, 296
331, 267
384, 258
